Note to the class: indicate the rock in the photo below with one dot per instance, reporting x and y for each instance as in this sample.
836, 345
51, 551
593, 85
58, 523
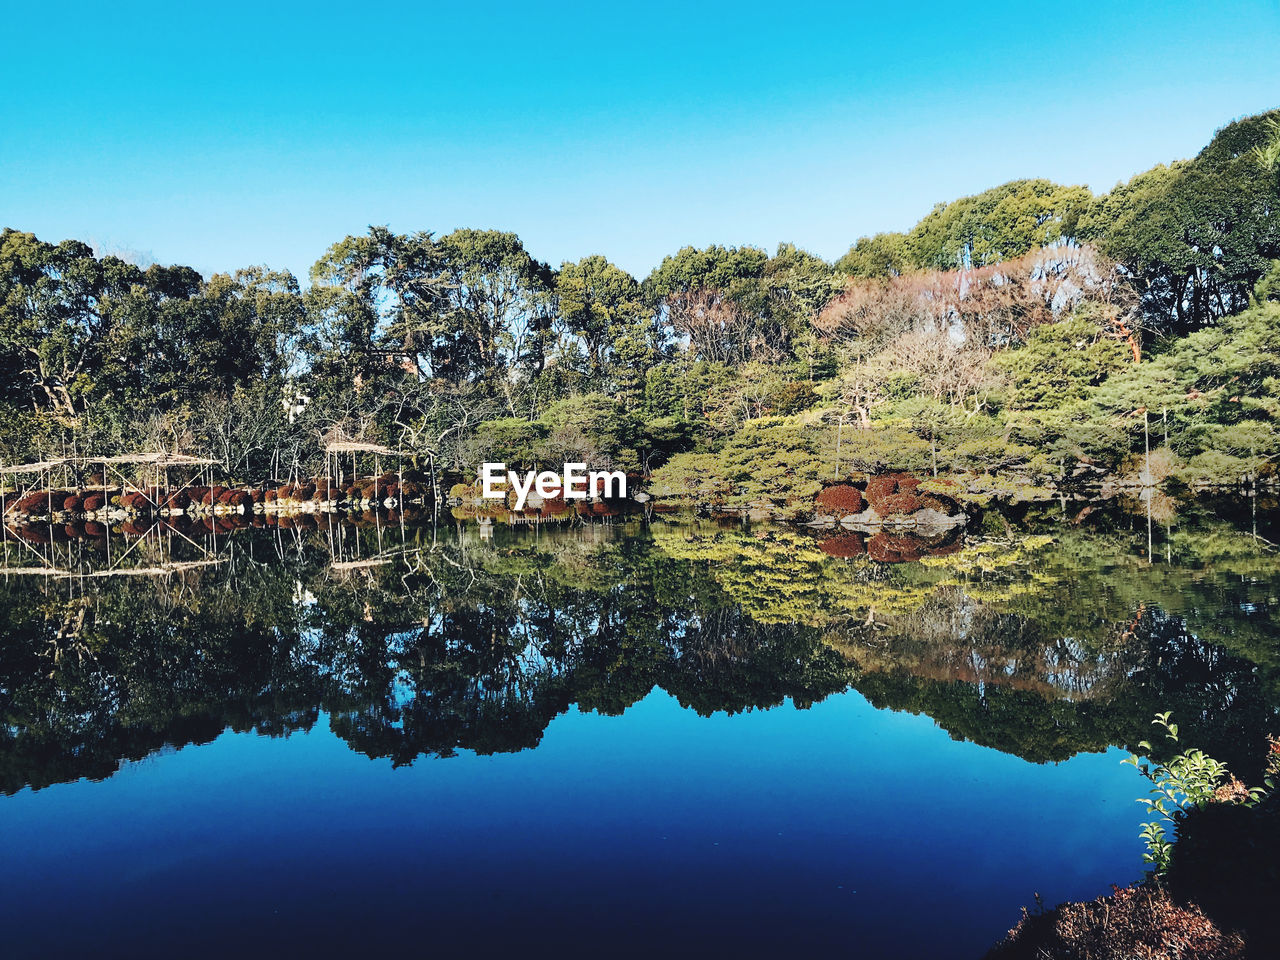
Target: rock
929, 517
867, 518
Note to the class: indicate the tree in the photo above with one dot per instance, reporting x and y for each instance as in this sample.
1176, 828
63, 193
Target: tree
1197, 235
51, 320
599, 307
717, 301
499, 299
1002, 223
878, 257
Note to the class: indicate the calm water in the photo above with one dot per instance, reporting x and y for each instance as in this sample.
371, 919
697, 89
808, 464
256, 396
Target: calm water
680, 739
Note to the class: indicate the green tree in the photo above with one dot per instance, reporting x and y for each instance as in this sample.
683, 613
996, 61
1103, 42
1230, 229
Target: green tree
998, 224
1197, 235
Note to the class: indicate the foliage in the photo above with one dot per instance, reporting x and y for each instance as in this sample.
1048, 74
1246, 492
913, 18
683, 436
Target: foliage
1186, 782
1017, 334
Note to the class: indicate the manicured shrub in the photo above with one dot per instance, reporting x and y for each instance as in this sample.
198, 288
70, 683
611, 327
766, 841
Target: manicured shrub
94, 501
881, 486
839, 500
95, 530
34, 503
178, 501
73, 504
887, 485
897, 503
135, 501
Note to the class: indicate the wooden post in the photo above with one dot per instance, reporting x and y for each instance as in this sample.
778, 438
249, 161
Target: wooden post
1146, 441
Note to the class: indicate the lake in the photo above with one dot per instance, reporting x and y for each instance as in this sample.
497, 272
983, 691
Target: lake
680, 738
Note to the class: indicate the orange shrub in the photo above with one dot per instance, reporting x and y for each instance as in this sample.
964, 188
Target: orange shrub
897, 503
840, 500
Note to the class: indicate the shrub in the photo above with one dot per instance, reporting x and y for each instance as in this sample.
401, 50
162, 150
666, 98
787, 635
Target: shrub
73, 504
840, 500
881, 486
1133, 922
135, 501
897, 503
94, 501
34, 503
887, 485
1187, 782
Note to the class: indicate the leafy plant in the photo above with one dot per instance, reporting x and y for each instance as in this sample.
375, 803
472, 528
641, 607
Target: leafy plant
1190, 780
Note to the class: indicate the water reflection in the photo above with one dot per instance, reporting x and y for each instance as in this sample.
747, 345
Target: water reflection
1041, 636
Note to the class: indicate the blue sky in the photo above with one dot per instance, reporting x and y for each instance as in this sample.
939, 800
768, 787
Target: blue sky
224, 135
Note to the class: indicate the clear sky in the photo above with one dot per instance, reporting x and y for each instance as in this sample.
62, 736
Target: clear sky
220, 135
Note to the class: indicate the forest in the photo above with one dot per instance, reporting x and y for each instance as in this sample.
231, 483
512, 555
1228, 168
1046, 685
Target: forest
1034, 334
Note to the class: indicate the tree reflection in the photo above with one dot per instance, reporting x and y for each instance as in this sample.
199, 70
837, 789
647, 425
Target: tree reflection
1041, 645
